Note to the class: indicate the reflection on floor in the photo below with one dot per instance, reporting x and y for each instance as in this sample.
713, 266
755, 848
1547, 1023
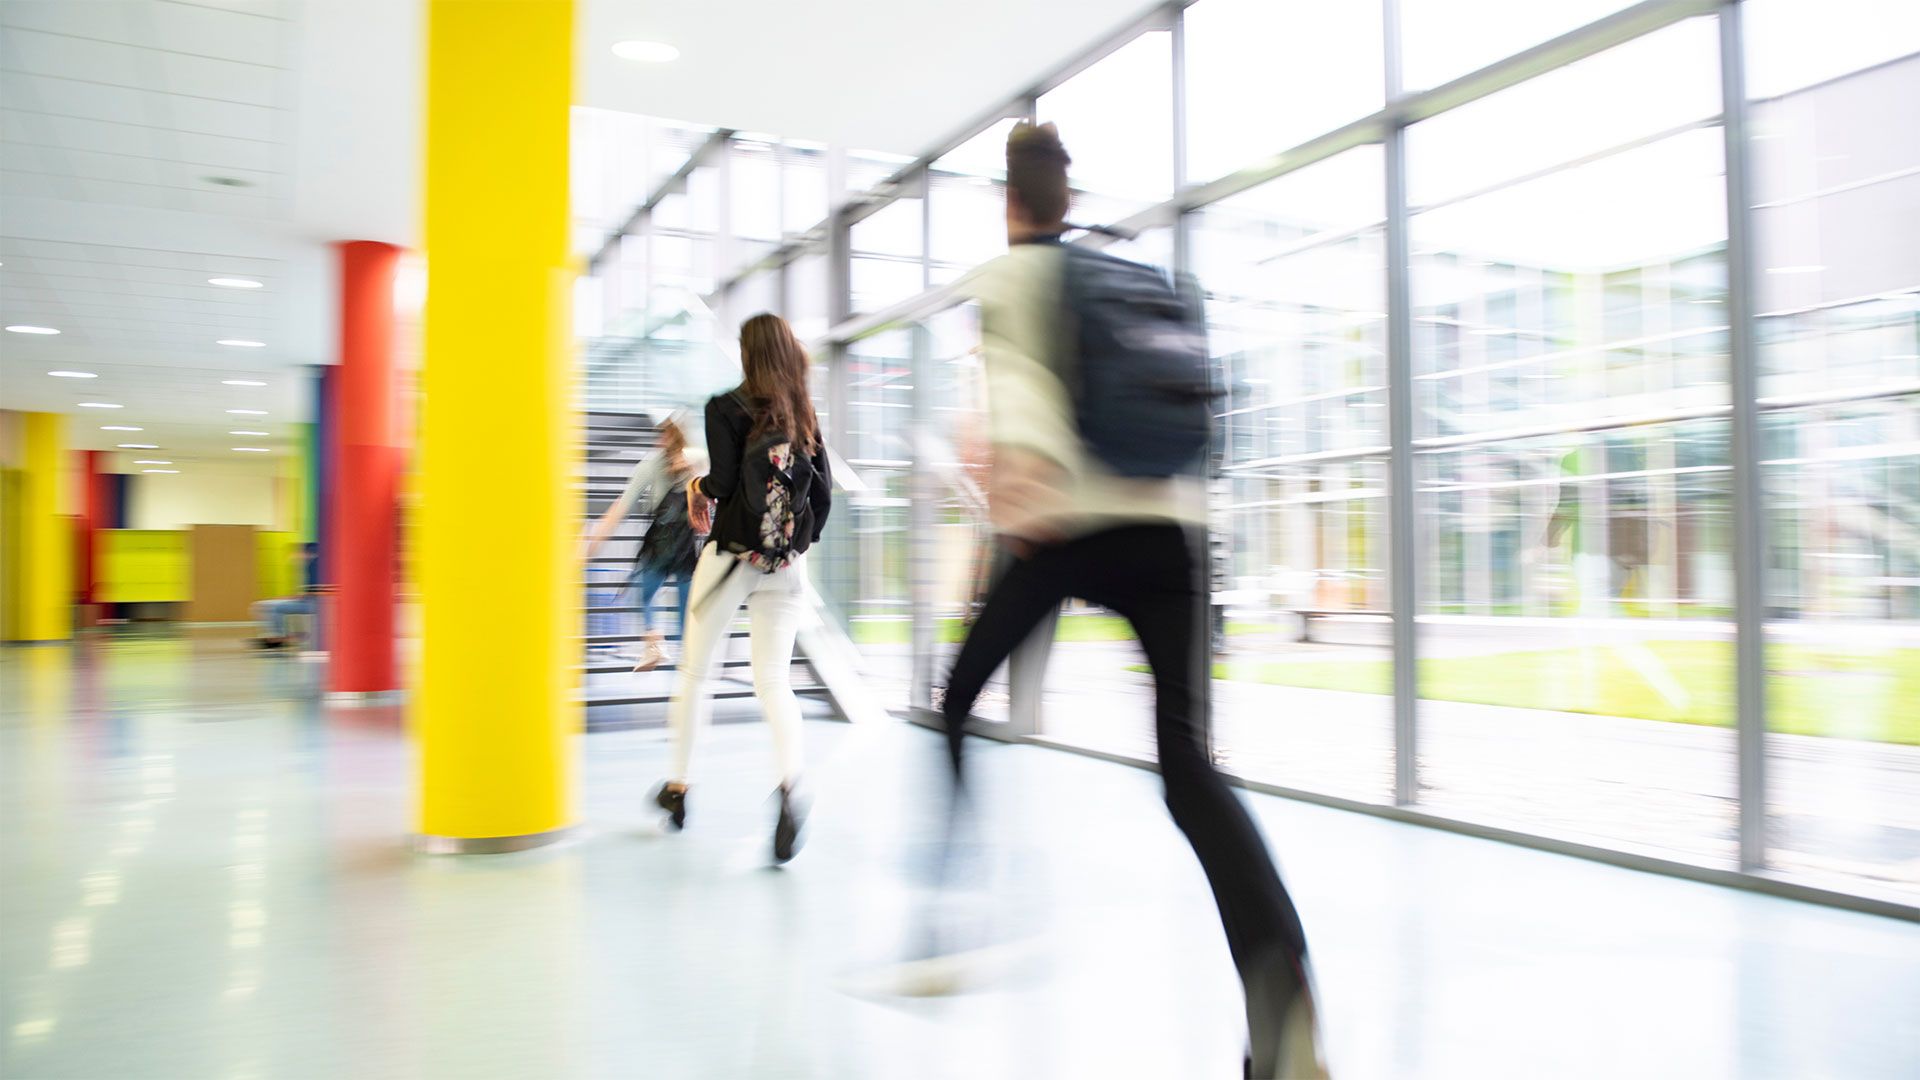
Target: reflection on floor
201, 875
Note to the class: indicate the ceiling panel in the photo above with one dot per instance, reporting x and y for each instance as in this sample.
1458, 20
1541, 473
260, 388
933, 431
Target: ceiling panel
109, 110
144, 108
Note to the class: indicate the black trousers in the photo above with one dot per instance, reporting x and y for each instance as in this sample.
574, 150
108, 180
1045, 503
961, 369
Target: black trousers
1154, 576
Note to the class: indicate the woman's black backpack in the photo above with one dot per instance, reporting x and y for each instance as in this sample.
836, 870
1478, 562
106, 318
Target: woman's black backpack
775, 499
670, 544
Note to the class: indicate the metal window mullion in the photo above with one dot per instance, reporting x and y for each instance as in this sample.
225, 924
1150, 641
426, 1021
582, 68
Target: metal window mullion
723, 239
1749, 521
1402, 593
1182, 239
921, 553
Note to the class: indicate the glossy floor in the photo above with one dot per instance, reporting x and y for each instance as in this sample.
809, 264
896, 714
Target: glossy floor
202, 875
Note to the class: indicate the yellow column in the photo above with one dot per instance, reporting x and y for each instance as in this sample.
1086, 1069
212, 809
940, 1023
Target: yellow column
496, 715
46, 538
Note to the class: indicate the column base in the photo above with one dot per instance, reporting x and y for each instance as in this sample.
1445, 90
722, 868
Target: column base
428, 844
364, 699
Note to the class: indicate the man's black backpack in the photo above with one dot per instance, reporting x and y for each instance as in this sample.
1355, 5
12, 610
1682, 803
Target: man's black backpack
1140, 376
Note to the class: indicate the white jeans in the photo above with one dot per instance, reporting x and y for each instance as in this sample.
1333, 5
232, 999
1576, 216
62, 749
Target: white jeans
776, 604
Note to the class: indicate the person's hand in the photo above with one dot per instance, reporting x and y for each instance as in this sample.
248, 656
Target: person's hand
1024, 499
699, 510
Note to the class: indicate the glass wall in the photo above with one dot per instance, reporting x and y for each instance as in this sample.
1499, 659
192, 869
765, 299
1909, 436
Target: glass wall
1836, 201
1534, 263
1295, 277
1573, 530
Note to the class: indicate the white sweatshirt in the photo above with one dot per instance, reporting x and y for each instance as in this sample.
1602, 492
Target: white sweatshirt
1030, 409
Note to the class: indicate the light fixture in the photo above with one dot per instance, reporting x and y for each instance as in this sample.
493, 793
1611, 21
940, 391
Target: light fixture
249, 432
152, 461
169, 472
138, 446
235, 282
22, 328
247, 412
241, 343
119, 427
241, 382
1795, 269
73, 374
646, 52
252, 450
98, 405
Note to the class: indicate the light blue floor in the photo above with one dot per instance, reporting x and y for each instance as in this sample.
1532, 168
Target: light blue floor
202, 875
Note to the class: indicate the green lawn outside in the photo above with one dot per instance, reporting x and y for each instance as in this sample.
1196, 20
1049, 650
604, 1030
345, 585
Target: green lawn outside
1872, 695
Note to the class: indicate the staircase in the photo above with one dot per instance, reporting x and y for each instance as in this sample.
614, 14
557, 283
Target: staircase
615, 694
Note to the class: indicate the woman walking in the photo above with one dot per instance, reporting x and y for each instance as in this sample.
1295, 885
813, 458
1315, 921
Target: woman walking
669, 548
765, 499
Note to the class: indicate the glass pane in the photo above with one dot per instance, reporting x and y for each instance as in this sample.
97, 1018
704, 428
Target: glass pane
804, 174
1295, 282
1837, 194
1116, 119
1263, 76
879, 372
807, 297
1445, 39
1793, 44
886, 255
954, 448
968, 203
754, 202
753, 295
1572, 513
1582, 286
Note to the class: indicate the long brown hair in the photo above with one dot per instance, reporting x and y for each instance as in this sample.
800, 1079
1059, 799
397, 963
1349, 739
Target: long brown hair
775, 365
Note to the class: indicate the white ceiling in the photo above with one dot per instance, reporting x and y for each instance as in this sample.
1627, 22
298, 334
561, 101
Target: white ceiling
891, 75
116, 115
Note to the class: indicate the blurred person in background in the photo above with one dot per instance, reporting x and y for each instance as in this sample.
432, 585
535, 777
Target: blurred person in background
1133, 543
763, 503
275, 616
670, 547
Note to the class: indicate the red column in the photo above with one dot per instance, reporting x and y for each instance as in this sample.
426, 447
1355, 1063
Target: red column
94, 516
364, 524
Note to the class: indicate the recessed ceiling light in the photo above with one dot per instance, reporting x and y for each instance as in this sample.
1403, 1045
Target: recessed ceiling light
241, 343
235, 282
73, 374
22, 328
119, 427
247, 412
138, 446
152, 461
241, 382
249, 432
252, 450
646, 52
98, 405
168, 471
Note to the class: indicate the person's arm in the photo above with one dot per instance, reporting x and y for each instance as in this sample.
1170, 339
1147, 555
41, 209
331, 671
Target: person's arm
725, 447
638, 481
820, 495
1029, 415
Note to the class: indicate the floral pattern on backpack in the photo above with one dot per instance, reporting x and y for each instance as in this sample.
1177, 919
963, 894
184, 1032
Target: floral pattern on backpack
778, 519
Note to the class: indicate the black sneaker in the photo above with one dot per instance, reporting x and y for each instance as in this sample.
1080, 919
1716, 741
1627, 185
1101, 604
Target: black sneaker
1283, 1028
674, 802
786, 831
